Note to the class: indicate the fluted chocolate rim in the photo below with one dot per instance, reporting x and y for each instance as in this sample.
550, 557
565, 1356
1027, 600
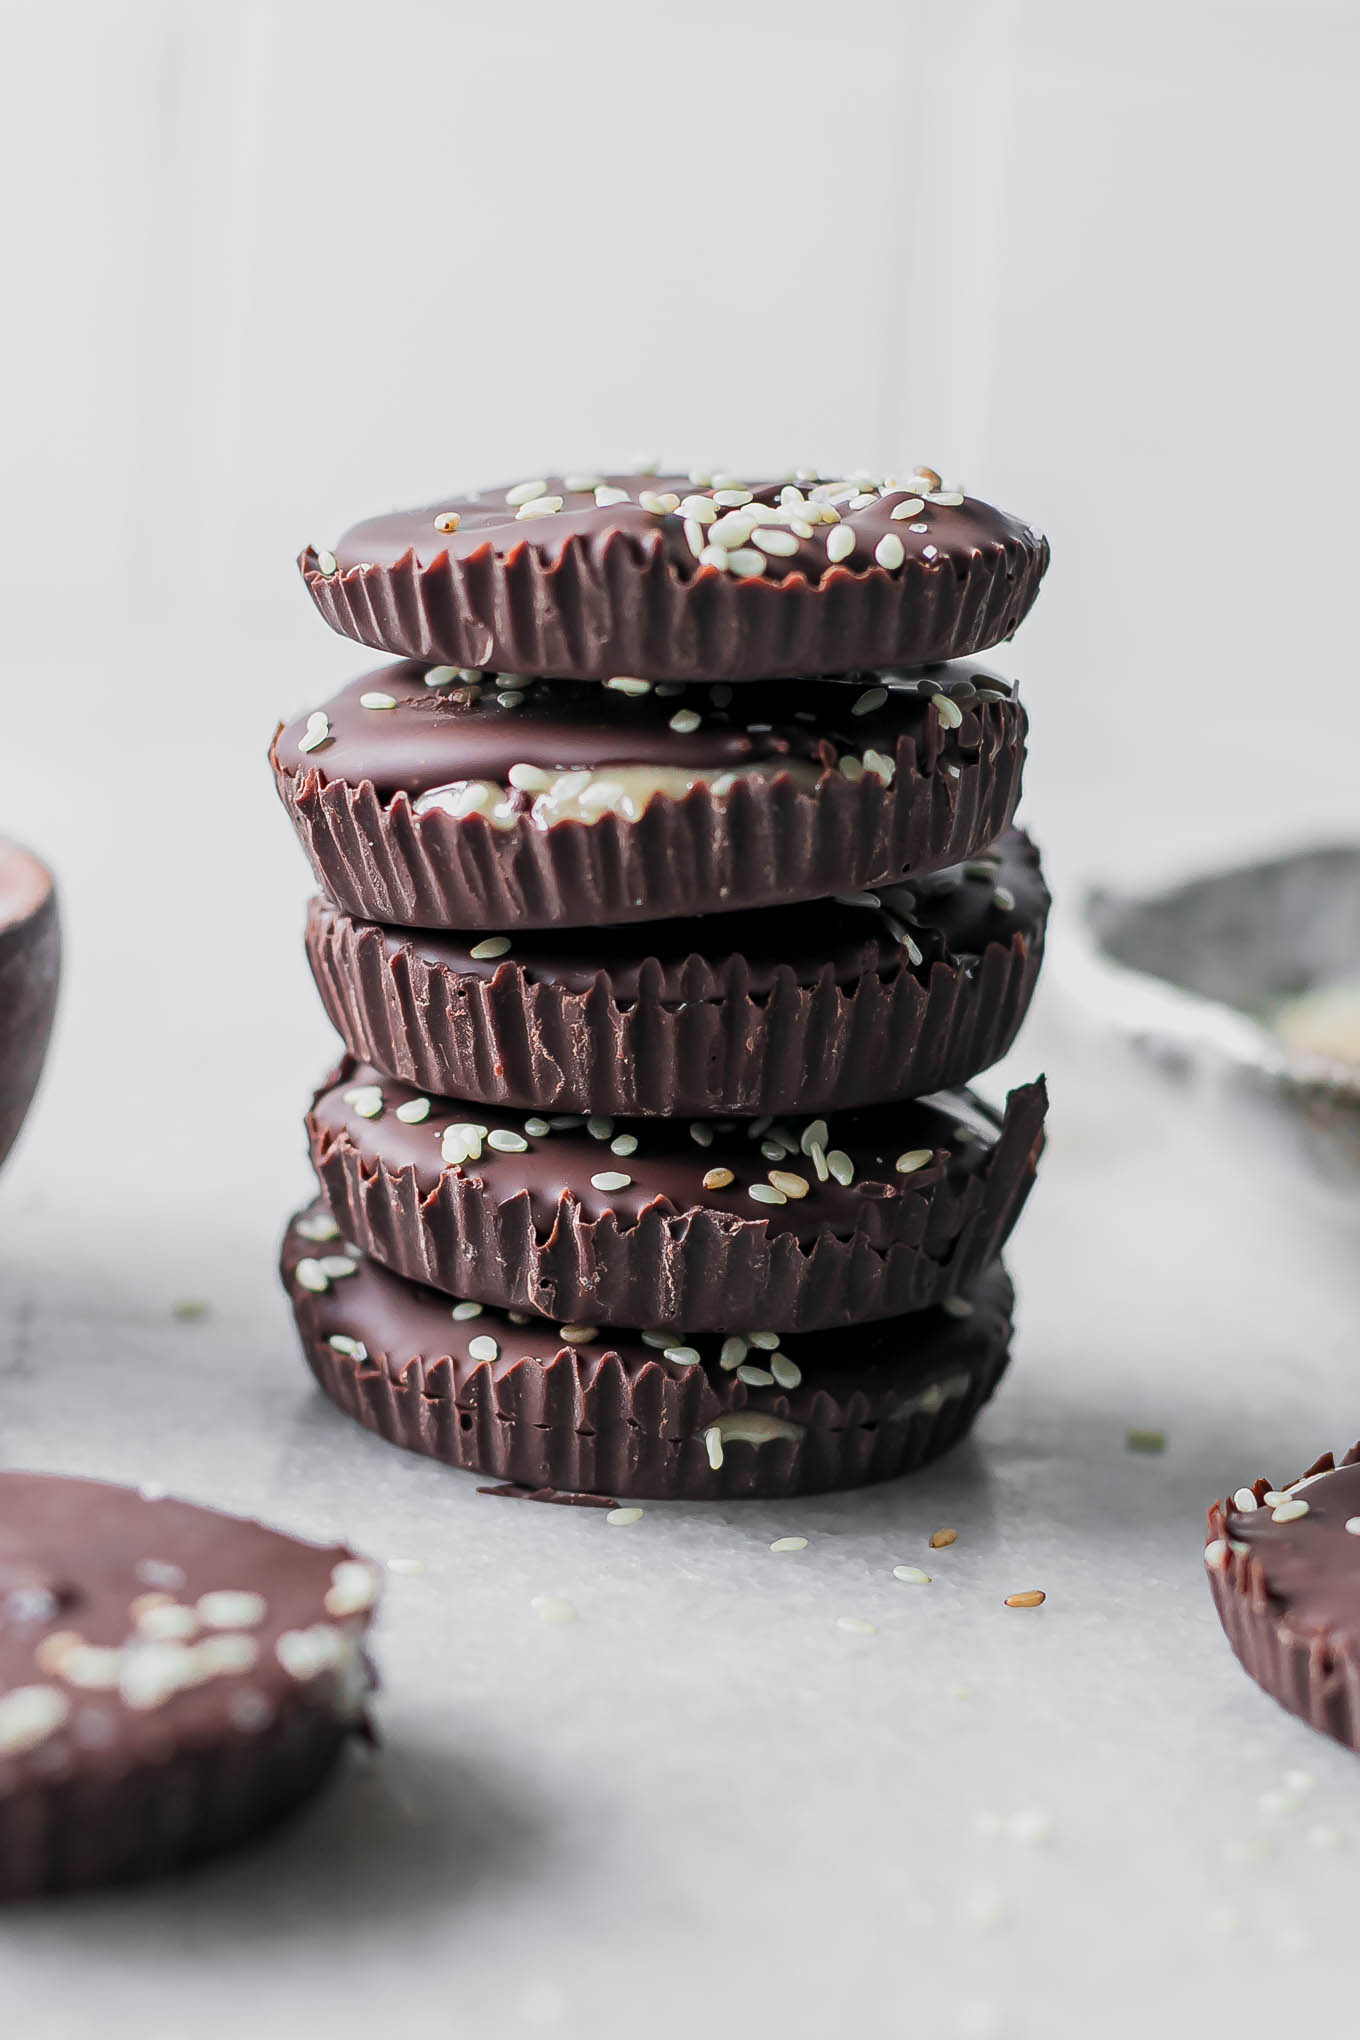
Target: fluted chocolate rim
1309, 1674
767, 840
703, 1268
625, 1421
775, 1042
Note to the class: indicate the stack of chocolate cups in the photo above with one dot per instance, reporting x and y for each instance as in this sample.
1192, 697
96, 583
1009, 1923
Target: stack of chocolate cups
659, 963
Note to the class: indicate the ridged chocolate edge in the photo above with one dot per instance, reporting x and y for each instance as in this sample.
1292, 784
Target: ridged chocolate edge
538, 1429
594, 613
101, 1826
508, 1040
765, 842
1305, 1674
703, 1271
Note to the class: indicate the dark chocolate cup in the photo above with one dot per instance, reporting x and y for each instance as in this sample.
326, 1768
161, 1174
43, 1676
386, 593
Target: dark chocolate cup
653, 1031
621, 1420
765, 842
674, 1259
622, 607
1311, 1670
30, 967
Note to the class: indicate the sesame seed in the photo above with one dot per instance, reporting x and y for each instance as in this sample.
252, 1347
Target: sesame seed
872, 698
1145, 1441
606, 497
542, 506
841, 1166
1353, 1525
529, 778
745, 563
701, 509
1245, 1500
780, 543
443, 676
505, 1142
578, 1335
718, 1179
766, 1342
912, 1575
753, 1376
537, 1127
785, 1371
927, 479
818, 1155
890, 551
1034, 1598
1030, 1825
914, 1159
335, 1267
491, 946
814, 1134
782, 1544
714, 556
599, 1126
463, 1311
701, 1133
447, 520
731, 499
327, 562
366, 1100
908, 507
553, 1608
947, 499
318, 1226
353, 1349
791, 1184
622, 1516
855, 1625
840, 543
29, 1715
1004, 899
1289, 1512
851, 768
949, 712
483, 1347
310, 1275
730, 531
765, 1193
377, 700
582, 485
684, 720
413, 1111
1216, 1554
940, 1538
1323, 1837
713, 1445
1273, 1497
681, 1356
956, 1306
658, 505
628, 683
510, 697
611, 1179
317, 733
623, 1144
525, 492
694, 536
733, 1353
229, 1609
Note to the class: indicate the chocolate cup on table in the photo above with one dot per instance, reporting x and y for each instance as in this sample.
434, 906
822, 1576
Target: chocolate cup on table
30, 966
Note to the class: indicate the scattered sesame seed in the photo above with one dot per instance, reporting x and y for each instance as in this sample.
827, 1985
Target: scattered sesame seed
753, 1376
443, 676
659, 505
766, 1342
1289, 1512
911, 1575
745, 563
327, 562
786, 1372
623, 1144
908, 507
700, 1132
732, 499
782, 1544
599, 1126
890, 551
447, 520
1034, 1598
542, 506
1004, 898
622, 1516
553, 1608
582, 485
375, 700
414, 1111
1145, 1441
337, 1266
914, 1159
230, 1609
733, 1352
789, 1182
765, 1193
318, 1226
718, 1179
353, 1349
682, 1356
607, 496
505, 1142
611, 1179
872, 698
578, 1335
1273, 1497
1353, 1525
29, 1715
855, 1625
310, 1275
956, 1306
713, 1445
1245, 1500
483, 1347
947, 499
366, 1100
1216, 1554
525, 492
949, 712
940, 1538
714, 556
771, 540
841, 1166
463, 1311
318, 732
840, 543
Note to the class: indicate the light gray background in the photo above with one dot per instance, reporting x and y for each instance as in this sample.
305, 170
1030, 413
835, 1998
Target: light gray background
275, 266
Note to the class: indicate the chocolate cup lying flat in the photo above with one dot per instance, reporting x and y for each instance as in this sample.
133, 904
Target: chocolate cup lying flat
173, 1681
814, 1008
616, 588
1286, 1583
783, 791
632, 1224
30, 966
617, 1415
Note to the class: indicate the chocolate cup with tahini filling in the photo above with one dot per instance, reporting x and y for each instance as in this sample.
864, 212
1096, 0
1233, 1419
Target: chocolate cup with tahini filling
424, 800
582, 1411
660, 576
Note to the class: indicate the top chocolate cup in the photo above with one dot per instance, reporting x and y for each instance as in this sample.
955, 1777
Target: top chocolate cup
675, 577
30, 964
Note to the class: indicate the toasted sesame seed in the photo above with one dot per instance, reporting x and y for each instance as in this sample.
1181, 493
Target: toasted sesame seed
607, 496
366, 1100
908, 507
542, 506
914, 1159
912, 1575
765, 1193
1289, 1512
733, 1352
611, 1179
505, 1142
622, 1516
841, 1166
684, 720
718, 1179
553, 1608
949, 712
681, 1356
840, 543
782, 1544
525, 492
463, 1311
483, 1347
785, 1371
792, 1184
1034, 1598
890, 551
940, 1538
447, 520
872, 698
376, 700
855, 1625
317, 733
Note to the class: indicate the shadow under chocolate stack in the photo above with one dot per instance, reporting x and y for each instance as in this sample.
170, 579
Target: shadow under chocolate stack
669, 897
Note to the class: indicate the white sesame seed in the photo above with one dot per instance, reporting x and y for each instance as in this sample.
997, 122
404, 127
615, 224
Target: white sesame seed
227, 1608
755, 1377
491, 946
890, 551
947, 499
539, 1128
731, 499
701, 509
606, 497
911, 1575
553, 1608
713, 1445
684, 720
483, 1347
29, 1715
701, 1133
317, 733
318, 1226
578, 1335
714, 556
841, 1166
529, 778
949, 712
730, 531
510, 697
790, 1183
624, 1144
765, 1193
414, 1111
1274, 1497
353, 1349
463, 1311
863, 500
956, 1306
914, 1159
764, 1342
628, 683
335, 1267
785, 1371
505, 1142
780, 543
405, 1566
366, 1100
1289, 1512
782, 1544
1353, 1525
622, 1516
746, 563
525, 492
611, 1179
681, 1356
908, 507
582, 485
542, 506
659, 505
1216, 1554
443, 676
599, 1126
694, 537
310, 1275
1245, 1500
855, 1625
732, 1354
872, 698
376, 700
840, 543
